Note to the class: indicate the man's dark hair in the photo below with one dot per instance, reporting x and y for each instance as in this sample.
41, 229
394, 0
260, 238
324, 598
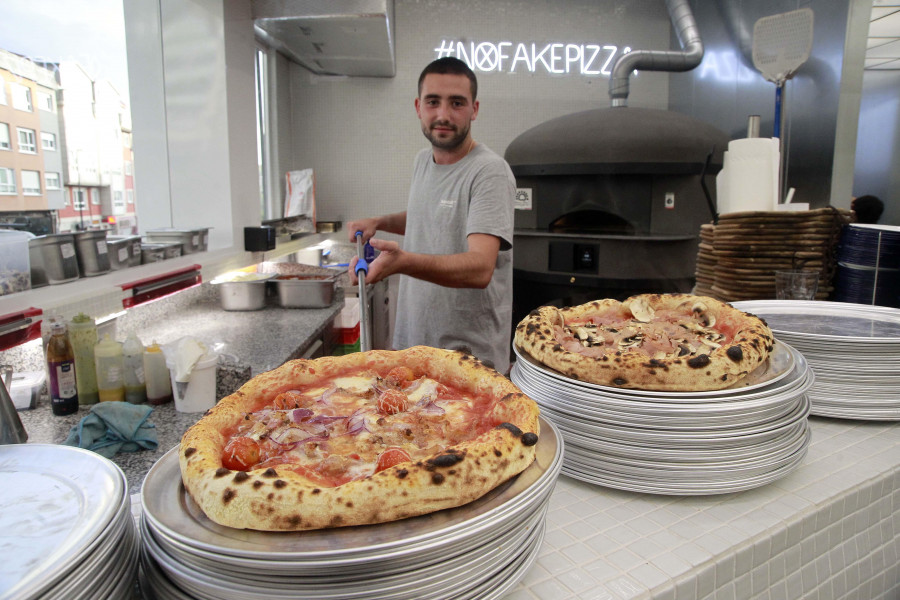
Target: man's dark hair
449, 65
868, 208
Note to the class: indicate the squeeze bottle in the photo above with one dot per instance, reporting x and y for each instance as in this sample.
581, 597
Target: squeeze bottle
156, 375
135, 384
110, 370
83, 336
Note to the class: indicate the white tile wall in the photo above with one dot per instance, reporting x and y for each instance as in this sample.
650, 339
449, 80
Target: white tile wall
830, 530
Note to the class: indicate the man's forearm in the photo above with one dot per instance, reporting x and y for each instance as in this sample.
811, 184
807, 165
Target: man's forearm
466, 270
393, 223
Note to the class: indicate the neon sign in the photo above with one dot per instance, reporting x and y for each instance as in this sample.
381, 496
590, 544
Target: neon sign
557, 58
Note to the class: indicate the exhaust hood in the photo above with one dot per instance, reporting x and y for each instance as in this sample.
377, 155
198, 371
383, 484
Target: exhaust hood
331, 37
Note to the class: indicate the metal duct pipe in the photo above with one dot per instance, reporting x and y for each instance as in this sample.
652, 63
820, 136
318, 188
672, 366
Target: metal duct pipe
658, 60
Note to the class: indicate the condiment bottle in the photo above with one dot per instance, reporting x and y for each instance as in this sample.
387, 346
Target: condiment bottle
83, 335
135, 386
50, 318
61, 370
156, 375
110, 366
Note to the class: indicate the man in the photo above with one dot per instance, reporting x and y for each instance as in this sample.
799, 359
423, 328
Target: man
868, 208
457, 249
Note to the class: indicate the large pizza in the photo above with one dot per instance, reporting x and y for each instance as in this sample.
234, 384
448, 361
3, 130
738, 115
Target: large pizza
667, 342
364, 438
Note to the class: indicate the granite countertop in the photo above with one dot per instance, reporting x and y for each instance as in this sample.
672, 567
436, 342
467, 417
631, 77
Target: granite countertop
261, 339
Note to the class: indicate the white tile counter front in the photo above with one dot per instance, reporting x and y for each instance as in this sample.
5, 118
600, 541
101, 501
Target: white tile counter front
829, 530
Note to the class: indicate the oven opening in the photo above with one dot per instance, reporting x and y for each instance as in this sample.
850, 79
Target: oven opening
592, 222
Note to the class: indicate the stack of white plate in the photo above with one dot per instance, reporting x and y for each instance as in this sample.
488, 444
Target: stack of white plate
853, 348
684, 443
66, 529
479, 550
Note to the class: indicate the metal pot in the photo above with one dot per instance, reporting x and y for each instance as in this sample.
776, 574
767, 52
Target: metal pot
53, 259
92, 252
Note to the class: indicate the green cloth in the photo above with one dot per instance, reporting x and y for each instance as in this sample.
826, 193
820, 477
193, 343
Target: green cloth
113, 427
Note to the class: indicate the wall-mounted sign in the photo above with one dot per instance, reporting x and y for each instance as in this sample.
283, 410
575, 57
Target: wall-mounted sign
589, 60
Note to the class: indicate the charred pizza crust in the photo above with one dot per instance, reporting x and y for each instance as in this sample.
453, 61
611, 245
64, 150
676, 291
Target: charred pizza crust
738, 342
274, 499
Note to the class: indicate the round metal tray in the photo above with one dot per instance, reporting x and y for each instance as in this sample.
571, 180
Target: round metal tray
479, 547
853, 348
775, 367
65, 524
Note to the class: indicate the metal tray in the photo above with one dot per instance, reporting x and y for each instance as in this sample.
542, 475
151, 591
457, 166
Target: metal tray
305, 291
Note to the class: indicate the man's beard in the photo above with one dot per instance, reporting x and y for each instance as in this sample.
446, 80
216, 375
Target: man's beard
451, 143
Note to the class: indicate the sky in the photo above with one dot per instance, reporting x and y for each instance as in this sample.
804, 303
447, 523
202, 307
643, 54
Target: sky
91, 32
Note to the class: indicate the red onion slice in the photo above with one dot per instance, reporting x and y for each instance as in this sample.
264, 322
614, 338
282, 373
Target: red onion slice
356, 423
299, 415
431, 408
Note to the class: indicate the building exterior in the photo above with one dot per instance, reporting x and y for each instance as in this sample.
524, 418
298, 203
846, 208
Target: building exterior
65, 149
31, 172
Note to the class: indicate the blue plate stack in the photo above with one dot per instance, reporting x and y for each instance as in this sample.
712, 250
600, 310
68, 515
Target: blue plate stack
868, 265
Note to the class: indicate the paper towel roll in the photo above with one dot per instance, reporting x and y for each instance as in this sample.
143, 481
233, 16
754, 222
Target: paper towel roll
750, 181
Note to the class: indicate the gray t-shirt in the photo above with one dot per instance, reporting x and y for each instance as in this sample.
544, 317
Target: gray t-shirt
446, 204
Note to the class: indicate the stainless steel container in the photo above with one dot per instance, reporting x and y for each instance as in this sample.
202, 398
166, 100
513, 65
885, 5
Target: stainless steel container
246, 293
168, 249
92, 252
124, 251
191, 240
305, 291
53, 259
151, 253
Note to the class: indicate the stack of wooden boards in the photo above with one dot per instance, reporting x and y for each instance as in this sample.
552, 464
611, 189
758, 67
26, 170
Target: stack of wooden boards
739, 255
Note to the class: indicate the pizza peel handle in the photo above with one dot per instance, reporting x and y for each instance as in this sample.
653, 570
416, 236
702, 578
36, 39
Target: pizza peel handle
362, 267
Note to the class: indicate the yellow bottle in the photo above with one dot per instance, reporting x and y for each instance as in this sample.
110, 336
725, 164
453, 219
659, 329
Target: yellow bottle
156, 375
109, 360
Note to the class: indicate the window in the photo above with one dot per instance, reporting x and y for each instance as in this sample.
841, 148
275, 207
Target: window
129, 195
45, 101
95, 198
21, 96
51, 180
78, 199
27, 142
31, 183
4, 136
129, 168
3, 91
48, 141
7, 181
118, 201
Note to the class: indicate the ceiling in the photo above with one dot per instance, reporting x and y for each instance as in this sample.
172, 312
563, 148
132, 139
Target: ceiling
883, 49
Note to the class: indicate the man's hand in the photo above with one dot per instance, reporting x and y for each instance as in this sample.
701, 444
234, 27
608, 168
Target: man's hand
470, 269
367, 226
385, 264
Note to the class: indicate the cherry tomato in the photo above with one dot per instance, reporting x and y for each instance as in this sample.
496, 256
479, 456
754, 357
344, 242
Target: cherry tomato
392, 401
391, 457
240, 454
287, 400
399, 376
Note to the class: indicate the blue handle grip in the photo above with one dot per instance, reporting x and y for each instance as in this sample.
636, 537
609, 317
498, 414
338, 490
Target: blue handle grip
362, 264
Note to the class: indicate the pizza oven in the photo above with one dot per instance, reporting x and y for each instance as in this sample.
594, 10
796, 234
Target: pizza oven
610, 201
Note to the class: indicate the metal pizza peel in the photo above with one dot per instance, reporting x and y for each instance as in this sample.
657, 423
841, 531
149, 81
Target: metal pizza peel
363, 252
781, 44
